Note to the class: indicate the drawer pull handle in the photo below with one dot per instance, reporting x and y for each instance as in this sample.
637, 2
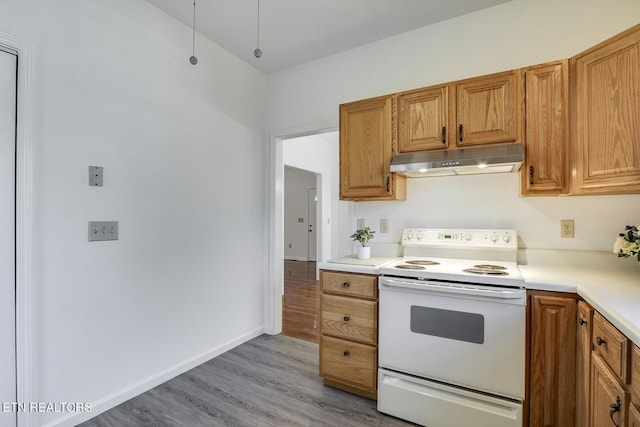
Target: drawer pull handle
460, 129
582, 322
600, 341
345, 285
444, 135
345, 318
615, 407
346, 353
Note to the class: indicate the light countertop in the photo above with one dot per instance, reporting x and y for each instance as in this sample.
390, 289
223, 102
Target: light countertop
615, 294
352, 264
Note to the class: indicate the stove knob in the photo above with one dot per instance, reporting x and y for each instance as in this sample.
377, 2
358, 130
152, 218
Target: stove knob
507, 238
409, 235
494, 237
420, 235
467, 237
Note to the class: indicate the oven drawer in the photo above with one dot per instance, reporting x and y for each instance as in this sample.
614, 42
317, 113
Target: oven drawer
349, 318
434, 404
352, 284
348, 362
612, 346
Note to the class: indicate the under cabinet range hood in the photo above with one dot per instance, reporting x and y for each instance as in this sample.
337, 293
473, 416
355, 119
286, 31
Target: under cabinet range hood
463, 161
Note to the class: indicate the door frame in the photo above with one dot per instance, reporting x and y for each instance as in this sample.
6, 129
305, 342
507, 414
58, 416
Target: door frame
275, 242
23, 205
312, 221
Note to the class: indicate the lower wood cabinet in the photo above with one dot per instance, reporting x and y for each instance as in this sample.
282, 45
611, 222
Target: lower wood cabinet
583, 363
552, 352
634, 417
349, 332
608, 397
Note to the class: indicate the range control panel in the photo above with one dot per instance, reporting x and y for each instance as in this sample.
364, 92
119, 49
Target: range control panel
460, 238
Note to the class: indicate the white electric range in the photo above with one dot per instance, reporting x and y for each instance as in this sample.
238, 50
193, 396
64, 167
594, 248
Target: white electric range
452, 329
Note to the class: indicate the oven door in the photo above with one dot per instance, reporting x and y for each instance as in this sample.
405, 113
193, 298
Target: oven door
467, 335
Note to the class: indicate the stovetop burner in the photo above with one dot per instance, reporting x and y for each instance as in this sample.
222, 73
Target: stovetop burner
410, 267
478, 269
490, 266
422, 262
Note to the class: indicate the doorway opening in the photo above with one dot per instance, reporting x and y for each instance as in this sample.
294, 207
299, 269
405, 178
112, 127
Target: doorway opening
315, 150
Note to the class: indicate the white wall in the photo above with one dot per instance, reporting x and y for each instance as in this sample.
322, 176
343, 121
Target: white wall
112, 86
297, 183
511, 35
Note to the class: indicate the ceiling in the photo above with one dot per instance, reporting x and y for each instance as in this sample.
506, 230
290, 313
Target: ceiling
293, 32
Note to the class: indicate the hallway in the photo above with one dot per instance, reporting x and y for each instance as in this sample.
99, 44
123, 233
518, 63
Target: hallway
301, 301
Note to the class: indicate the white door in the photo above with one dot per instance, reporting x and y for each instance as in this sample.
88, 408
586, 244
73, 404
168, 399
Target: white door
8, 75
312, 213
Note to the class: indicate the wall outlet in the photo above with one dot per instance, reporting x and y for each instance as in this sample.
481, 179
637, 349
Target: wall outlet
360, 223
103, 230
384, 226
566, 228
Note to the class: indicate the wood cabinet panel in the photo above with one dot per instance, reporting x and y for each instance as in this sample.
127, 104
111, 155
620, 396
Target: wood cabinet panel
349, 318
546, 170
367, 145
634, 417
422, 119
351, 284
348, 362
606, 390
583, 363
489, 109
634, 388
607, 122
552, 364
612, 346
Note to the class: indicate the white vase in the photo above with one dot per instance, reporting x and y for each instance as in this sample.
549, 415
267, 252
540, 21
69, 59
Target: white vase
364, 252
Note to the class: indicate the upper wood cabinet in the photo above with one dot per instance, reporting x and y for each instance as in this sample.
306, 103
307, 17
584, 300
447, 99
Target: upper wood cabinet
606, 141
545, 170
489, 109
367, 144
423, 116
481, 110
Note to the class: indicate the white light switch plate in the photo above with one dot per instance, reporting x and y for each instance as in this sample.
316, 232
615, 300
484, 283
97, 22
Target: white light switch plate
103, 230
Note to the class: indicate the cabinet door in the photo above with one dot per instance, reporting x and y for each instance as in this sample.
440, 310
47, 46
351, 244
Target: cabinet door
607, 107
607, 395
634, 388
583, 363
634, 417
367, 144
489, 109
552, 365
422, 119
545, 169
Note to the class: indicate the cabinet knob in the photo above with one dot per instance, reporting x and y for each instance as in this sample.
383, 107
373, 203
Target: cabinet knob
582, 321
600, 341
346, 353
346, 318
615, 407
345, 285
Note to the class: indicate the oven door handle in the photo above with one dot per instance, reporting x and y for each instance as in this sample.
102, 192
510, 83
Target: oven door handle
452, 288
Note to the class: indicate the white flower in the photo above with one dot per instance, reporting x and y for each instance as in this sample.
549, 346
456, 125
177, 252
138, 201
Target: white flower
618, 245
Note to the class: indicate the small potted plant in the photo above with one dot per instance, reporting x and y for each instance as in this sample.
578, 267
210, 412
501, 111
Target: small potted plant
363, 235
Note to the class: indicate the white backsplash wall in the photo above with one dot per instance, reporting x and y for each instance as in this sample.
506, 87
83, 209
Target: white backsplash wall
493, 201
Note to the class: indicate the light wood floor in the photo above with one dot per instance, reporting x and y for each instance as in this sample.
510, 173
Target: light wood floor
301, 301
268, 381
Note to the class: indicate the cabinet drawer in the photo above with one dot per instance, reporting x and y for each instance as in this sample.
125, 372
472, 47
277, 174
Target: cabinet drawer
349, 318
360, 285
635, 376
348, 362
612, 345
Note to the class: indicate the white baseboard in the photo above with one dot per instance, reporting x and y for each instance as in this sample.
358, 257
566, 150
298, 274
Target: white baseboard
125, 394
